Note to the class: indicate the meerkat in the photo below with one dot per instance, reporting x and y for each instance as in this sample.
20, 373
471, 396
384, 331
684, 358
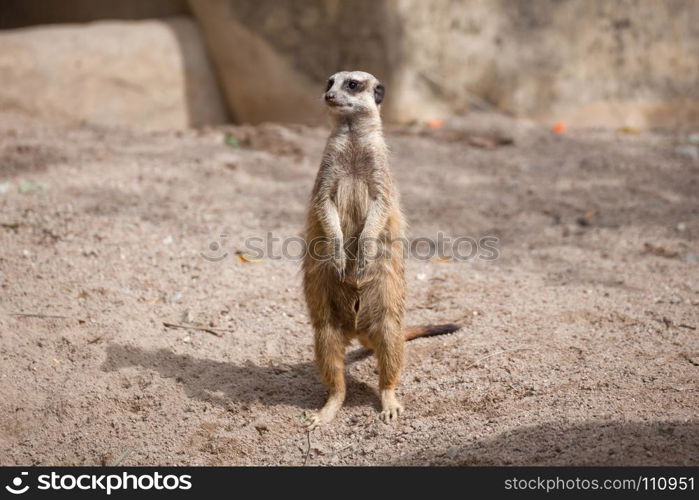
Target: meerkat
353, 271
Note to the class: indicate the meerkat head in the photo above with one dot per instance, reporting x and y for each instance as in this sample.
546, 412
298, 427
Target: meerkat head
353, 92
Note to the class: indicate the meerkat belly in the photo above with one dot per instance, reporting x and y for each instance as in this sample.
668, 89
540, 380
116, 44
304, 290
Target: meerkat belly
352, 200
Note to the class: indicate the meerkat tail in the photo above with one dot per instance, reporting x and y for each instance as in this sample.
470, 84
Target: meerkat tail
429, 330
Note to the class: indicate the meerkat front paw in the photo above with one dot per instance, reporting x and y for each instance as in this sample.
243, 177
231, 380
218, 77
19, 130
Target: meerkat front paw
339, 259
367, 253
339, 264
360, 268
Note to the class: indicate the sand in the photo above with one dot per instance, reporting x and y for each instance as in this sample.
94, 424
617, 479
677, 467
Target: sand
579, 343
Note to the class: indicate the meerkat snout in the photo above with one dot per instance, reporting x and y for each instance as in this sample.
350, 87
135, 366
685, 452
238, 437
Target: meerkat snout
349, 92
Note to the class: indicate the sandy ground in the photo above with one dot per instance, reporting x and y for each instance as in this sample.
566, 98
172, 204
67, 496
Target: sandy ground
580, 341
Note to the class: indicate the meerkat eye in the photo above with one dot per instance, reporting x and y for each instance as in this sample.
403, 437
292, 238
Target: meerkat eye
330, 84
352, 84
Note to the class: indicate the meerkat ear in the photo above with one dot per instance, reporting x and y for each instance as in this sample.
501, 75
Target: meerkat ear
379, 92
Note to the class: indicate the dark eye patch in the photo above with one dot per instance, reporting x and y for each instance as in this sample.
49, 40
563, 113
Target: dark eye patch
330, 84
354, 86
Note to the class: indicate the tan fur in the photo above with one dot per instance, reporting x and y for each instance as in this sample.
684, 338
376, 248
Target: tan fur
355, 214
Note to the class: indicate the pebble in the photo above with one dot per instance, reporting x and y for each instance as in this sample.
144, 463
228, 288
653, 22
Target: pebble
688, 151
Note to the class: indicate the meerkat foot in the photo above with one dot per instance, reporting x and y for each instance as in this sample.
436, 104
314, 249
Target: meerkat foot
391, 408
325, 415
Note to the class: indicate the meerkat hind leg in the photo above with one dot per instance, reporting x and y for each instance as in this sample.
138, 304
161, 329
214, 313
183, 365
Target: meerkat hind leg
389, 352
330, 358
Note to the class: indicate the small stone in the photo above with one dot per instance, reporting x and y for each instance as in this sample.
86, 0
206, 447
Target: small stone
187, 316
167, 240
28, 187
688, 151
691, 257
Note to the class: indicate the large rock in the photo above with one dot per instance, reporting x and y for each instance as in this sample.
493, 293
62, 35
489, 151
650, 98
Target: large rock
260, 82
273, 58
150, 74
629, 62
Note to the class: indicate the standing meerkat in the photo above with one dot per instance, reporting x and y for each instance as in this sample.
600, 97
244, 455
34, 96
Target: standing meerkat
353, 271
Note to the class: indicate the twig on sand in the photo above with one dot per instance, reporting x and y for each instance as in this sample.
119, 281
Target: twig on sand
344, 448
212, 331
308, 449
121, 457
39, 315
478, 361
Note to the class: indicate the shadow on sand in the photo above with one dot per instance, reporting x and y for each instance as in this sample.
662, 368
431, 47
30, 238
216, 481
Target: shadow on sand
612, 443
222, 383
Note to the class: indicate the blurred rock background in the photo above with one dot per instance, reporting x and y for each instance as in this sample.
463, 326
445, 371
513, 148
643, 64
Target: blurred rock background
164, 64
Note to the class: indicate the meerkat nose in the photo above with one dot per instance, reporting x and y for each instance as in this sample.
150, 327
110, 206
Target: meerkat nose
330, 96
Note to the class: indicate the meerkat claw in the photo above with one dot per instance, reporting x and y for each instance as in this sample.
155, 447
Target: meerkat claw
324, 416
339, 266
313, 422
391, 414
360, 269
